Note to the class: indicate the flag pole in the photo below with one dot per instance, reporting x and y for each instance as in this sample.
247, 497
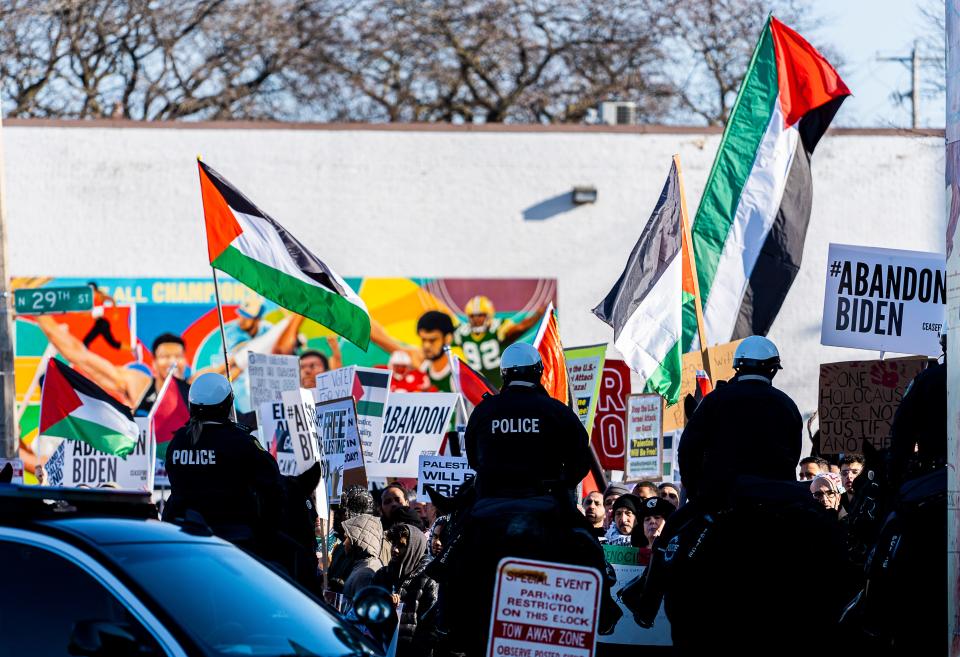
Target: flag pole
687, 237
223, 333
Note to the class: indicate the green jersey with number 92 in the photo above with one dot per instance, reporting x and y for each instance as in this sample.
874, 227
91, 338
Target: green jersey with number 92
482, 350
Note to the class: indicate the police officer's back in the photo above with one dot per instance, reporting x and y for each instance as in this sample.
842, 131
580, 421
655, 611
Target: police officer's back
523, 442
746, 427
218, 469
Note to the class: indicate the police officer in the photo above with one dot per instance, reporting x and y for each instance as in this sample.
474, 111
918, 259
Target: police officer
522, 442
219, 470
745, 427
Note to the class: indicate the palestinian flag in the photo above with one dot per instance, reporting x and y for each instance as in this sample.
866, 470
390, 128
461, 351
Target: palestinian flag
752, 221
371, 387
469, 382
74, 407
246, 243
548, 344
169, 412
644, 306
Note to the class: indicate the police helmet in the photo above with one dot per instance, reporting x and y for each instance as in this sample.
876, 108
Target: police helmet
521, 362
211, 397
757, 353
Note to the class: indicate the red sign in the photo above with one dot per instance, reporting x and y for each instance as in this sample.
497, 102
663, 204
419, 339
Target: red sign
609, 427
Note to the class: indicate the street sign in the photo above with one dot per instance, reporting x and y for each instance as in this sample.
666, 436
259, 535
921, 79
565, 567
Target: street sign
47, 300
543, 608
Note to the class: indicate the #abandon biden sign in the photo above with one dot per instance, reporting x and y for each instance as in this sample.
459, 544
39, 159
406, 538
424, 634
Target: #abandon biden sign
884, 299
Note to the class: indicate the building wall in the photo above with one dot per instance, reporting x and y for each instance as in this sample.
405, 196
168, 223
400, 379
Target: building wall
120, 200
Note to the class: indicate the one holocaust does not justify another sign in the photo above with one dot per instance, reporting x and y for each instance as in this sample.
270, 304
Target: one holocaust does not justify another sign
884, 299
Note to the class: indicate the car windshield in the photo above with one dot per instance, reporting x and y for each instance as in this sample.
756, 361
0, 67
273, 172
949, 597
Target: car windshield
231, 604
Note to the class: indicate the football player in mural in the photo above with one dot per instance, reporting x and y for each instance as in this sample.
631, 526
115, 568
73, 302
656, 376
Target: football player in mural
484, 337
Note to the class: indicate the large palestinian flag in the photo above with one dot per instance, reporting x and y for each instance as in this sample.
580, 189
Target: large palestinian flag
246, 243
749, 230
74, 407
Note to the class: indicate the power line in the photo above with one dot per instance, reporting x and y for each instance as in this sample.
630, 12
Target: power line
913, 61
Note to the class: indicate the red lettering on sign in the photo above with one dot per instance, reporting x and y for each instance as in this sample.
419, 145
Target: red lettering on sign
609, 427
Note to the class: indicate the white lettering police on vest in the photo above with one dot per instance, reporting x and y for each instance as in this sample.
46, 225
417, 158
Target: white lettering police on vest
516, 425
195, 457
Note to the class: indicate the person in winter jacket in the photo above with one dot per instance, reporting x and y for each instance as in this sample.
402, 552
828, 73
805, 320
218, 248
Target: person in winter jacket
363, 537
405, 578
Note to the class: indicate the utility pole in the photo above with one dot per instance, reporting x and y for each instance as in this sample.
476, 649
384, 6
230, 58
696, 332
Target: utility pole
9, 436
914, 61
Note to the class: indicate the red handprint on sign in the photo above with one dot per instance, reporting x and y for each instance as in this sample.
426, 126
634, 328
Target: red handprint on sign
885, 374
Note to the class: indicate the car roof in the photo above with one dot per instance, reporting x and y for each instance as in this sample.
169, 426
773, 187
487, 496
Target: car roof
111, 531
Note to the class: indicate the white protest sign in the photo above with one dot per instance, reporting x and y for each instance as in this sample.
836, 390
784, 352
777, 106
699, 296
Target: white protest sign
644, 437
268, 375
17, 465
275, 432
335, 384
337, 428
84, 465
542, 608
413, 424
301, 423
446, 474
884, 300
626, 563
374, 384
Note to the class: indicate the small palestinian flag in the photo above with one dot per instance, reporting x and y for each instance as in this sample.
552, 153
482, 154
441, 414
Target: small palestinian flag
371, 387
169, 412
469, 382
74, 407
752, 221
243, 241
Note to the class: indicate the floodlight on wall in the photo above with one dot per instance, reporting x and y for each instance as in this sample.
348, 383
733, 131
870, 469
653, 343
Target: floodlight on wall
584, 194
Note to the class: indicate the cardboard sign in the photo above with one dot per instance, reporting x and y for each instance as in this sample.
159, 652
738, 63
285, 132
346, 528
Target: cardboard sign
446, 474
625, 562
858, 400
301, 422
721, 368
644, 437
609, 429
413, 424
542, 608
84, 465
17, 465
884, 299
268, 375
584, 370
335, 384
275, 431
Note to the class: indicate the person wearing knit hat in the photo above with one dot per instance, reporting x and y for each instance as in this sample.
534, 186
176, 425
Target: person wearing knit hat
610, 495
827, 488
626, 513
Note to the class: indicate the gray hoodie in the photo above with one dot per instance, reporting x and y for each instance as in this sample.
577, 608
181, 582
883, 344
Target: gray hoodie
366, 536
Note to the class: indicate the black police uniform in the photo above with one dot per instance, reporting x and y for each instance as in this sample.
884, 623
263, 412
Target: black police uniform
524, 443
226, 476
746, 427
918, 436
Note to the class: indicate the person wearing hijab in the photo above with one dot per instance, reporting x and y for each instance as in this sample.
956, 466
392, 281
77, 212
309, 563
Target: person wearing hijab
406, 580
827, 489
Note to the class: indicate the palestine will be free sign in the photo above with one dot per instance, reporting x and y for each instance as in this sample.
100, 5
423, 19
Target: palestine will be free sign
884, 299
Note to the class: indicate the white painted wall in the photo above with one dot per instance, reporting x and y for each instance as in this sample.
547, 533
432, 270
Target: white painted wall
104, 201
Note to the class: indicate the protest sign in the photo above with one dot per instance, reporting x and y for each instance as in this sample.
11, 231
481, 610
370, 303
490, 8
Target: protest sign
17, 465
858, 400
721, 369
544, 608
275, 432
446, 474
335, 384
626, 564
337, 427
584, 370
884, 299
268, 375
373, 384
301, 423
82, 464
414, 423
644, 437
609, 427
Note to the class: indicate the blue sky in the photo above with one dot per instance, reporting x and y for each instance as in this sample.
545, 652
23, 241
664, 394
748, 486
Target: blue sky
862, 30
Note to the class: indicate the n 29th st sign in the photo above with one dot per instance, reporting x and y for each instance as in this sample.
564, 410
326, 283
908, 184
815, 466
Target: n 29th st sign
48, 300
543, 609
884, 300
